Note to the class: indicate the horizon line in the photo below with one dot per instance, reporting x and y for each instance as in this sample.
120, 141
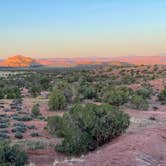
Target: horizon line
85, 57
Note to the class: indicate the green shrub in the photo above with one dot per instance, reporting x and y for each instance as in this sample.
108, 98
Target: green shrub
10, 92
40, 117
66, 90
13, 130
3, 116
19, 124
18, 135
117, 95
4, 131
22, 118
152, 118
54, 123
144, 92
3, 135
35, 110
34, 134
88, 92
138, 102
31, 127
12, 155
162, 96
26, 118
35, 90
4, 119
86, 127
19, 129
35, 144
3, 125
128, 79
57, 100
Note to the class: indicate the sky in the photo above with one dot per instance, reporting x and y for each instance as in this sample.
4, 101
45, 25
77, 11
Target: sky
82, 28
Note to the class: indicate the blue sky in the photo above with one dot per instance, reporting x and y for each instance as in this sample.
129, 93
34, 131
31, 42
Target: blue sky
73, 28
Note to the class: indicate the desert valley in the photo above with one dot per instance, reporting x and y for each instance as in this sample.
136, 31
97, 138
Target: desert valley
24, 61
62, 115
82, 83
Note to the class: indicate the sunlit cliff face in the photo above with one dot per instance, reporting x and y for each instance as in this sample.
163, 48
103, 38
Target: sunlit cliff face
18, 61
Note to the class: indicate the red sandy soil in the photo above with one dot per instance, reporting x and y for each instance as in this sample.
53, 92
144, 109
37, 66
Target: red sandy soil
144, 144
39, 125
157, 84
141, 147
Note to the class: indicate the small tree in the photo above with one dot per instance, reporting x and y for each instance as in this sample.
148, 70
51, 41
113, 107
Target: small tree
138, 102
57, 100
35, 90
84, 128
11, 92
45, 83
54, 123
88, 91
35, 110
12, 155
117, 95
162, 96
66, 89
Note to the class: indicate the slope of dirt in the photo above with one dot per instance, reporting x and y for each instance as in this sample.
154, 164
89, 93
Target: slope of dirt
144, 144
143, 147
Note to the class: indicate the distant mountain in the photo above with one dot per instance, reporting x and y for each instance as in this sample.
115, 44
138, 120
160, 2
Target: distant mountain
23, 61
19, 61
136, 60
146, 60
70, 62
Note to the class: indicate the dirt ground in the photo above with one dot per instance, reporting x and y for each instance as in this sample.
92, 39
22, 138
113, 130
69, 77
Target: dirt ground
144, 143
